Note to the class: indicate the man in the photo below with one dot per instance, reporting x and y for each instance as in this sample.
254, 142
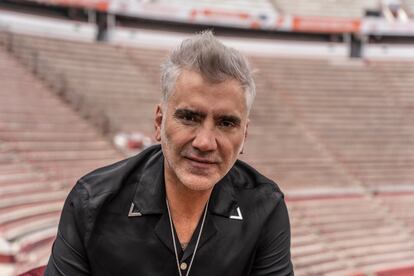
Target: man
187, 206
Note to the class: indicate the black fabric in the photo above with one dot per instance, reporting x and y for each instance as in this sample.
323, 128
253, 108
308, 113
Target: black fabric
97, 237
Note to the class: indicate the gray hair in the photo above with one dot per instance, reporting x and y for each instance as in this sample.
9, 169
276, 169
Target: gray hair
206, 55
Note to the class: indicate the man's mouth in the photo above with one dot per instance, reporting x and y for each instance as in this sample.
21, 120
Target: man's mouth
201, 160
201, 163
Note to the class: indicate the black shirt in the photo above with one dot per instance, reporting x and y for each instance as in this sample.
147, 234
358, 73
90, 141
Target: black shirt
115, 222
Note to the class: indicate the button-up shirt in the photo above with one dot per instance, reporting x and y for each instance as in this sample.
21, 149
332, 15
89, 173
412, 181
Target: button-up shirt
115, 222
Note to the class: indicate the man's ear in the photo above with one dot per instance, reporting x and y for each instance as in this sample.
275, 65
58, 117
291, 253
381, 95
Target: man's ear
245, 131
158, 122
245, 136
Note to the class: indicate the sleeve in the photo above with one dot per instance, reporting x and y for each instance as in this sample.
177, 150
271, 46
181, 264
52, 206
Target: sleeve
68, 255
273, 255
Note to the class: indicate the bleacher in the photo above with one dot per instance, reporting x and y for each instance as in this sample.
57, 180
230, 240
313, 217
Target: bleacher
400, 208
45, 146
101, 81
409, 6
227, 5
126, 98
335, 134
344, 236
333, 8
358, 112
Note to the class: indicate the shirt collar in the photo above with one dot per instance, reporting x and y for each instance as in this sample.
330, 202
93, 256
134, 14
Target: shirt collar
149, 196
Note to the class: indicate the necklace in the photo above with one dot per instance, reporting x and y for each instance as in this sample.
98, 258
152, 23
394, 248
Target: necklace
198, 239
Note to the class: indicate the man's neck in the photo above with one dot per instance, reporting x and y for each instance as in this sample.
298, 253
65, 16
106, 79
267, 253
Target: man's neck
186, 208
186, 203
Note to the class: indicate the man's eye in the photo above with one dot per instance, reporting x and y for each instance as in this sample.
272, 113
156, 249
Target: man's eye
227, 124
188, 118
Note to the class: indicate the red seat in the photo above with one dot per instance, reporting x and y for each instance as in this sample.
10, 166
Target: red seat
38, 271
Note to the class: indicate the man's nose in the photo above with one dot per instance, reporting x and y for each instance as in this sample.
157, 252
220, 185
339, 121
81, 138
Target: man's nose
205, 139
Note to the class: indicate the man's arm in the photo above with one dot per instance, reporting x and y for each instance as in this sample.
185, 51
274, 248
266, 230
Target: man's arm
68, 256
273, 254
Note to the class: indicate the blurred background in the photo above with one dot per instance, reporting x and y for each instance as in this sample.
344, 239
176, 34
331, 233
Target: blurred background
333, 122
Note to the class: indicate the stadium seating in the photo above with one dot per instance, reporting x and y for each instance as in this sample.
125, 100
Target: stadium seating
99, 80
353, 110
116, 92
232, 6
333, 9
44, 148
400, 206
342, 236
335, 134
409, 6
38, 271
333, 119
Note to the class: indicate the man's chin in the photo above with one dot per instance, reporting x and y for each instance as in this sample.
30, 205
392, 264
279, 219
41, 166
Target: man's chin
199, 183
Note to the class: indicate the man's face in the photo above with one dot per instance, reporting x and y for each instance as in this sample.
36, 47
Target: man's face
202, 128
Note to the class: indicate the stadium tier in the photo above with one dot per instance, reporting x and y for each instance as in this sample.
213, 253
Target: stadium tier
227, 5
99, 80
363, 234
335, 134
356, 112
44, 147
333, 9
409, 4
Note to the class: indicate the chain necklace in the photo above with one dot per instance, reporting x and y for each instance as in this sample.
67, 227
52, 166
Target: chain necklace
198, 239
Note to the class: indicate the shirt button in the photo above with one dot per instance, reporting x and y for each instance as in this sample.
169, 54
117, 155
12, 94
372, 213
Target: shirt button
183, 266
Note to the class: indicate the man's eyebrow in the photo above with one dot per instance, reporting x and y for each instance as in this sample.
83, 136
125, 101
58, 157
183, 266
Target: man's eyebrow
189, 112
232, 118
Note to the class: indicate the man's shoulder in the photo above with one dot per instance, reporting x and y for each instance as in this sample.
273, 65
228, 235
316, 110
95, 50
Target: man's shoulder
110, 178
246, 178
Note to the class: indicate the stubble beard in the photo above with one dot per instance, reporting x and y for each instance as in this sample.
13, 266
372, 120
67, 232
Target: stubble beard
179, 170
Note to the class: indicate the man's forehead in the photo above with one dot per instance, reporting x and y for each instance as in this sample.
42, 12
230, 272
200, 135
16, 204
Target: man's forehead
194, 78
191, 91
